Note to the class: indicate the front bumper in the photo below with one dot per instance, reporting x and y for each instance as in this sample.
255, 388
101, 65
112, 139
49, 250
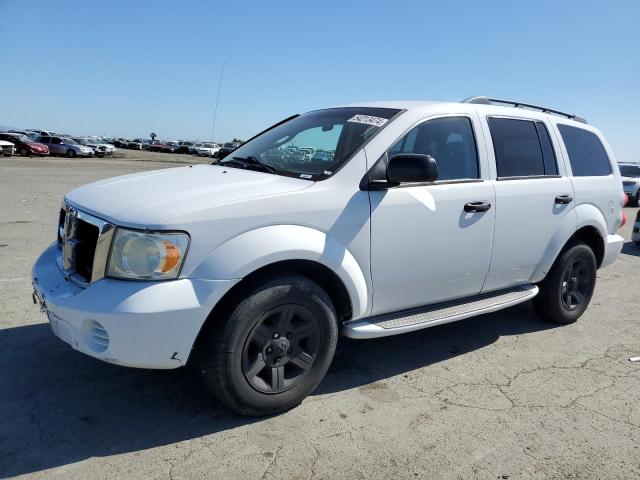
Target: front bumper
135, 324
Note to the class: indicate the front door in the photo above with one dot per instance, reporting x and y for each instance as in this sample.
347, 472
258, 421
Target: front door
426, 247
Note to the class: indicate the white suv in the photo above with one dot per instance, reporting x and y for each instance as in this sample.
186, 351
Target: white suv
421, 213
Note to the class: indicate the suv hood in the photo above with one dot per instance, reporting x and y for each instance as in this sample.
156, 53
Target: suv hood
152, 198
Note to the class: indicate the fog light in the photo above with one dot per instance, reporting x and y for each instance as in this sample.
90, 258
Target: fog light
95, 336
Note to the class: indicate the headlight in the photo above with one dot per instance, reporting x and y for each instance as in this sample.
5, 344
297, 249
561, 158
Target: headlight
147, 256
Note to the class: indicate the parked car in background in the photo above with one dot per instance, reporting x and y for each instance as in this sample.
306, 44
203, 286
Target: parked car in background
226, 149
208, 150
25, 145
120, 142
635, 236
99, 148
184, 146
40, 133
170, 147
322, 156
135, 144
193, 149
630, 173
7, 148
66, 146
156, 146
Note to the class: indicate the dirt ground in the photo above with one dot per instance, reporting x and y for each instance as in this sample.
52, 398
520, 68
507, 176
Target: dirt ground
501, 396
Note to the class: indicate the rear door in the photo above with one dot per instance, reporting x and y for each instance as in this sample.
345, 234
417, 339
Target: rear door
534, 197
56, 146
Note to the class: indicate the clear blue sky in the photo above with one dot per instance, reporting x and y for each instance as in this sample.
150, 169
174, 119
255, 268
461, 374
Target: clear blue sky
126, 68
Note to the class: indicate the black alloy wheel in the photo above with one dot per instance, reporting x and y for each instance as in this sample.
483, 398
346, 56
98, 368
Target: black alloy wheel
281, 349
576, 284
271, 349
567, 289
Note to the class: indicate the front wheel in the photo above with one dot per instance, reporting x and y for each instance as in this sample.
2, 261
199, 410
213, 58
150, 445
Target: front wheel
273, 349
71, 153
566, 291
25, 152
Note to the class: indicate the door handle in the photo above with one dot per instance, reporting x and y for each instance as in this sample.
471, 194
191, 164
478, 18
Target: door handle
473, 207
564, 199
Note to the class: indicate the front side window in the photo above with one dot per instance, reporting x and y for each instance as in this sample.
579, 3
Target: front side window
522, 148
450, 141
586, 152
313, 145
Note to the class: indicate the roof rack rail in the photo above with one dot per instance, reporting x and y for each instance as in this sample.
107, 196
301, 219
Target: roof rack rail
493, 101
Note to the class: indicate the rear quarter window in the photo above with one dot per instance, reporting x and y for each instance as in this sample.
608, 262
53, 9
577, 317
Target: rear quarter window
587, 155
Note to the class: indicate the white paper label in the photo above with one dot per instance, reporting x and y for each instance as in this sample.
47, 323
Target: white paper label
368, 120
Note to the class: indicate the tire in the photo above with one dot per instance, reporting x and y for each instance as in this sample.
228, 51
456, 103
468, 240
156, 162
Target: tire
255, 369
71, 153
24, 152
566, 291
637, 200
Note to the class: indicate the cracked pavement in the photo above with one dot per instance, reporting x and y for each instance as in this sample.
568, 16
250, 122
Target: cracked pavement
500, 396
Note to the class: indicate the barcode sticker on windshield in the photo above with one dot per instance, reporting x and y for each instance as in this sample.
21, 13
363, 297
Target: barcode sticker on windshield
368, 120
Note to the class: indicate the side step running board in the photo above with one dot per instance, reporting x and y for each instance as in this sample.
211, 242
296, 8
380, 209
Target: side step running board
416, 319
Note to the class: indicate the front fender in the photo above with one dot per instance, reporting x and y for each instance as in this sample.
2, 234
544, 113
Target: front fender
584, 215
249, 251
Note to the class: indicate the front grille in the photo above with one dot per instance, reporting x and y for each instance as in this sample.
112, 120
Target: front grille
87, 238
83, 243
628, 184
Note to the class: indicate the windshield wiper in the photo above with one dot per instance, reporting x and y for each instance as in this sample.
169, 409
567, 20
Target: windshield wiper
251, 162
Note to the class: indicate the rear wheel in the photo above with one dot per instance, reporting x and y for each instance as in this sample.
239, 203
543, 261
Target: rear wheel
273, 349
71, 153
25, 152
566, 291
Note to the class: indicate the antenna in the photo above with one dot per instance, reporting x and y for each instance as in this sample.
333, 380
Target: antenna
215, 111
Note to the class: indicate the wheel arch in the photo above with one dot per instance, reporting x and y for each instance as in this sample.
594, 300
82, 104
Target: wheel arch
319, 273
249, 252
587, 226
258, 254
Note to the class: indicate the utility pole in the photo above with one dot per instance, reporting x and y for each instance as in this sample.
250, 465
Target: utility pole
215, 111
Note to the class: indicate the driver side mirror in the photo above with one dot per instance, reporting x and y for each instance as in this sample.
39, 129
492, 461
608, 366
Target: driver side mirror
412, 168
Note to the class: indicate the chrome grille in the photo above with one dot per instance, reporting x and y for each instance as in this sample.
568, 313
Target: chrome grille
83, 245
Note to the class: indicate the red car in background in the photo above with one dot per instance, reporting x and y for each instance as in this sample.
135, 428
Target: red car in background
25, 145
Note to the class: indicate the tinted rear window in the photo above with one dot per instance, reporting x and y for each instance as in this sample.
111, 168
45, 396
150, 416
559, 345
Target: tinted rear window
586, 152
517, 147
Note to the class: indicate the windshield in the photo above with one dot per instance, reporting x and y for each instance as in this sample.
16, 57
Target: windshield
315, 144
22, 138
81, 141
69, 141
630, 171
